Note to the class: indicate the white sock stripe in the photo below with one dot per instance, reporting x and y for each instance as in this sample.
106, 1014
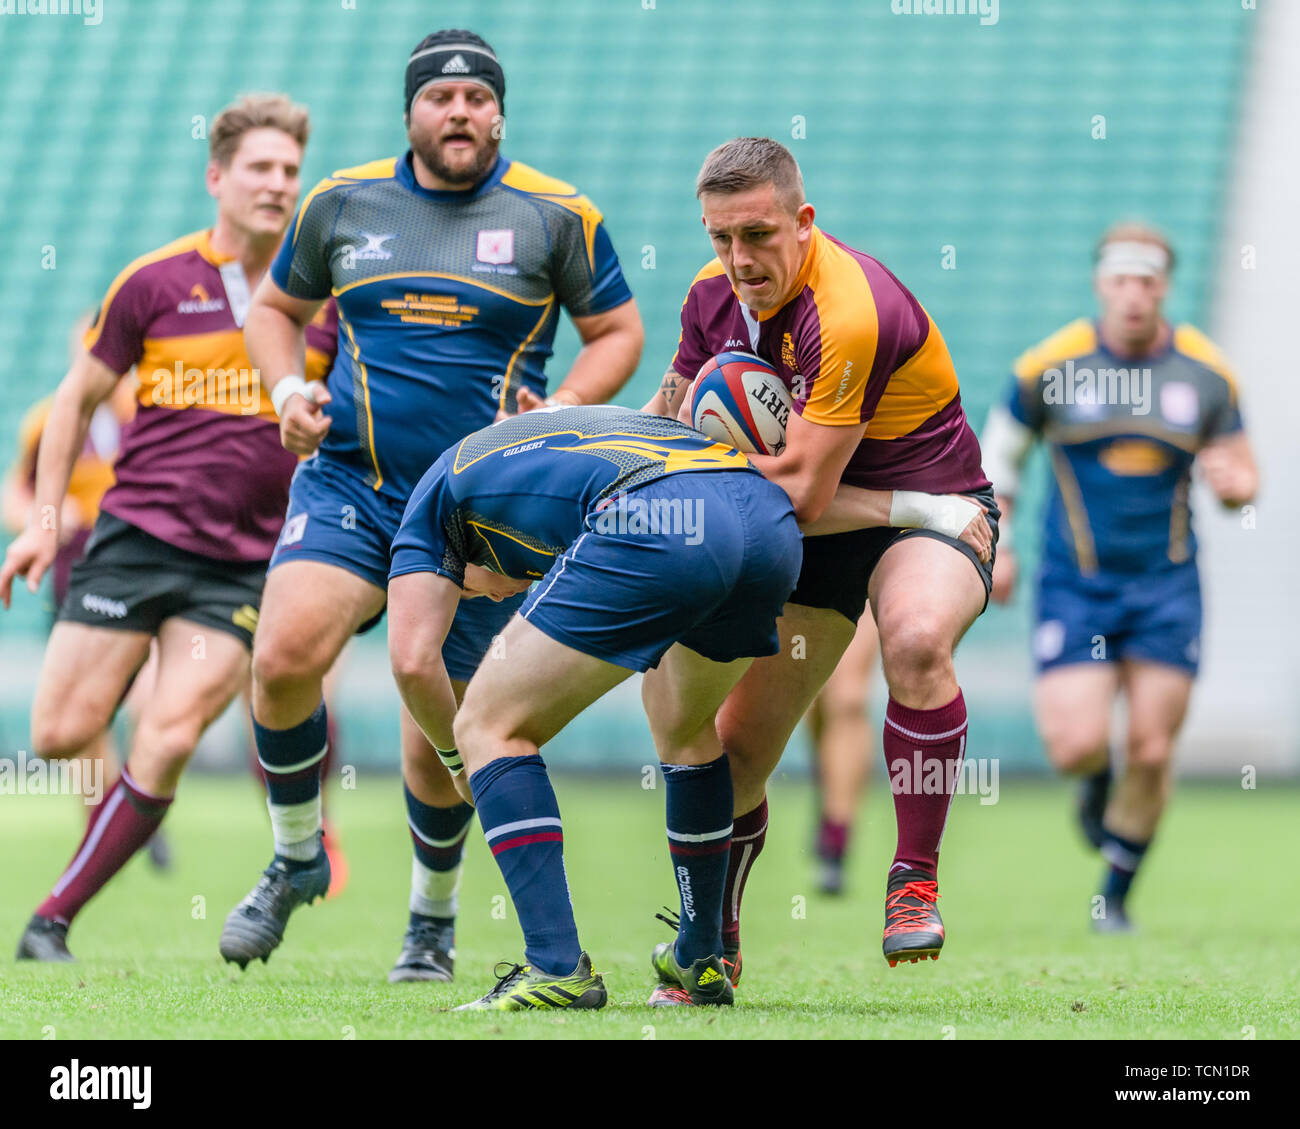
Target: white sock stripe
83, 856
706, 837
520, 825
285, 769
437, 842
1119, 856
924, 736
961, 756
750, 838
294, 827
433, 892
741, 871
136, 787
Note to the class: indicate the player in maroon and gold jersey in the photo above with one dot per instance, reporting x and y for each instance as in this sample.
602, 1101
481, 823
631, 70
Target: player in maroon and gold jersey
180, 548
877, 429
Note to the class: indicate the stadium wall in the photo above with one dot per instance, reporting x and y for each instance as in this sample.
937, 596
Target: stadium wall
978, 161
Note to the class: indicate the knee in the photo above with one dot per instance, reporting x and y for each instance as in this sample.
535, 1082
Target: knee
162, 747
282, 660
1076, 752
64, 733
914, 649
1150, 752
840, 705
475, 731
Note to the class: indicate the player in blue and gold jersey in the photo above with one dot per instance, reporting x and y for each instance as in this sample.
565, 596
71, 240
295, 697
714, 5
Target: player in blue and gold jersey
1127, 406
450, 265
657, 550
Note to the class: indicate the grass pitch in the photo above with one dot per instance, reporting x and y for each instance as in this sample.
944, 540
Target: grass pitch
1215, 957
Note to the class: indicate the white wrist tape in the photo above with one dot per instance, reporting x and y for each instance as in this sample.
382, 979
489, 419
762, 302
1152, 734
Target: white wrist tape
451, 759
291, 385
943, 513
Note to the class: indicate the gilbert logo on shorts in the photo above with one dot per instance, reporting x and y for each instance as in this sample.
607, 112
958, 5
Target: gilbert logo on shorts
496, 247
102, 605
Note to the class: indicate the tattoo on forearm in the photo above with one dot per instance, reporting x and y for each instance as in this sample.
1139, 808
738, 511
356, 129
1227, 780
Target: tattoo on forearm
672, 387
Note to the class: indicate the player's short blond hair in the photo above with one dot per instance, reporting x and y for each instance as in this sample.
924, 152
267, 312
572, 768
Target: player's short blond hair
751, 162
256, 111
1135, 231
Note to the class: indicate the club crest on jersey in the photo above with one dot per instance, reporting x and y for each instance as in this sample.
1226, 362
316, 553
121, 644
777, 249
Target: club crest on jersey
1179, 403
496, 247
293, 529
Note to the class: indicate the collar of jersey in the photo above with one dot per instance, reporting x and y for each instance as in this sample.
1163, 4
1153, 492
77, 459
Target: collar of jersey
406, 176
205, 249
805, 272
1158, 355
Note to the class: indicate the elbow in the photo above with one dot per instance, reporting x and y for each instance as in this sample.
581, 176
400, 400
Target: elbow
808, 500
807, 510
413, 659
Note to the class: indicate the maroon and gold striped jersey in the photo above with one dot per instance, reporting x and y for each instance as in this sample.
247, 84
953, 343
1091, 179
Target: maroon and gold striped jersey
853, 346
201, 466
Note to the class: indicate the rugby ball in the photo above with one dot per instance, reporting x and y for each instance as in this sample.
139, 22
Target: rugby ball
738, 398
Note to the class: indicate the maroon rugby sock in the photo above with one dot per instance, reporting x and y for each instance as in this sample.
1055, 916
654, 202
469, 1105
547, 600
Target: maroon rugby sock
923, 755
832, 840
749, 832
121, 825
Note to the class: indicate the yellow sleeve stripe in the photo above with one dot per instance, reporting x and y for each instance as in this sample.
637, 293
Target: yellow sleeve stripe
322, 187
527, 179
179, 246
524, 178
374, 170
383, 169
1191, 342
1077, 339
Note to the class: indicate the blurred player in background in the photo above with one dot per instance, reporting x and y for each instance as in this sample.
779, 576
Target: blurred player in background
877, 415
554, 496
180, 547
1127, 405
92, 475
450, 264
842, 747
